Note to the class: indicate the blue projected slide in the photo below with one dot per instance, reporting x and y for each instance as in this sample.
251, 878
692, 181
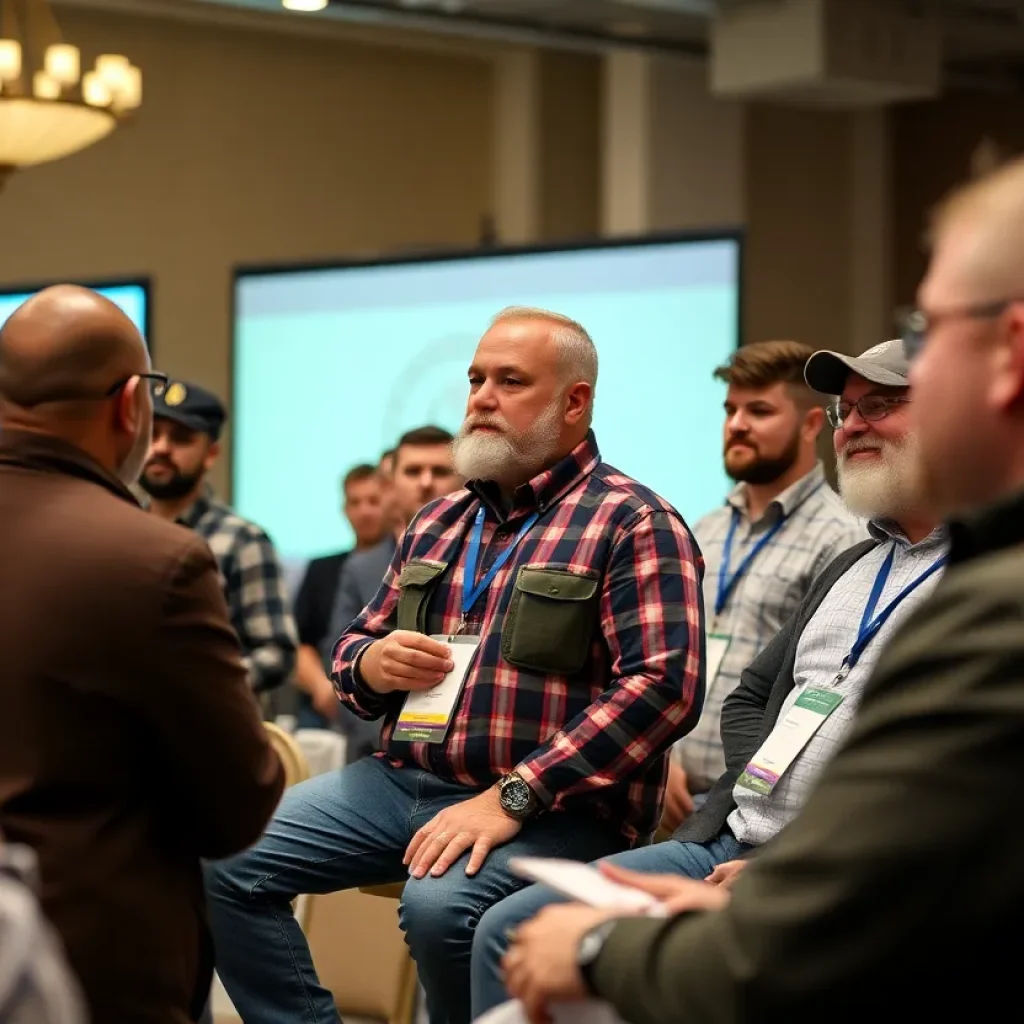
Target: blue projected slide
331, 366
130, 297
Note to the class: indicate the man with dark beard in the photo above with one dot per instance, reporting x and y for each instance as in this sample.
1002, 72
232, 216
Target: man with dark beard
187, 421
568, 595
779, 527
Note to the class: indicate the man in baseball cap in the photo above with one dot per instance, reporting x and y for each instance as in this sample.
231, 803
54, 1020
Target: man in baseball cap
884, 364
187, 424
875, 452
193, 407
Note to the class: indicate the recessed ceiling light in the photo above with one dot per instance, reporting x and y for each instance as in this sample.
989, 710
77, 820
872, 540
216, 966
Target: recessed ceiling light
304, 5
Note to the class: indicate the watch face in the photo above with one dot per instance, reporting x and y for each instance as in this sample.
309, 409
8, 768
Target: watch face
515, 796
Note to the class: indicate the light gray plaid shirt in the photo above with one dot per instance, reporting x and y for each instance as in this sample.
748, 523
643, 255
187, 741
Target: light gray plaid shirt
820, 651
817, 527
254, 587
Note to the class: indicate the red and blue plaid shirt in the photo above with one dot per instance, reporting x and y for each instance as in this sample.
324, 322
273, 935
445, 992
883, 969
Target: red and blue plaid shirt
594, 741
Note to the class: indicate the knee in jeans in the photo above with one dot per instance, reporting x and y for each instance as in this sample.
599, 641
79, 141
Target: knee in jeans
434, 910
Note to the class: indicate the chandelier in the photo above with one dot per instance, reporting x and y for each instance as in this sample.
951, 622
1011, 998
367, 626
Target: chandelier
49, 109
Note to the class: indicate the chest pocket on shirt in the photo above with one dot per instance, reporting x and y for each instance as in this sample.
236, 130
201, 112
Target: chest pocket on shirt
416, 583
550, 620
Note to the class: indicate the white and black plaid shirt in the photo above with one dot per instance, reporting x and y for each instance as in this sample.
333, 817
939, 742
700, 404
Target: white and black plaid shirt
817, 527
254, 587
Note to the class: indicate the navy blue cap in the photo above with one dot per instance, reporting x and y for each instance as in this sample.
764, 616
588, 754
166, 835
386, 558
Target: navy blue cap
191, 406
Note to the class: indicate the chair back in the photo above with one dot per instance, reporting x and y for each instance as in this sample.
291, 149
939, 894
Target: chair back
296, 767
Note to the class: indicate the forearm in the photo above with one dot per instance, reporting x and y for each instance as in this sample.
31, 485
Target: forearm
645, 718
354, 690
310, 676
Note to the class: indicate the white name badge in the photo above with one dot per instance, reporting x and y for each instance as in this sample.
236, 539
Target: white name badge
426, 714
715, 647
787, 739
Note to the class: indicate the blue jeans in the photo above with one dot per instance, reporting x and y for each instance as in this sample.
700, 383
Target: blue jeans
350, 828
693, 860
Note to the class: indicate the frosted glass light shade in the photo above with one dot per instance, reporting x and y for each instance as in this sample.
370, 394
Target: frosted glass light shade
35, 131
63, 63
10, 59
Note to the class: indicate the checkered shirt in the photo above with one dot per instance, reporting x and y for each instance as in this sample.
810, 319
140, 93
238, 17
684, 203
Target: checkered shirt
817, 527
254, 587
825, 642
596, 739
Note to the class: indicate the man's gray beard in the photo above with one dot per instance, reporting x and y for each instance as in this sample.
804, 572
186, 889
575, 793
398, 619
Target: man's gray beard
884, 489
508, 457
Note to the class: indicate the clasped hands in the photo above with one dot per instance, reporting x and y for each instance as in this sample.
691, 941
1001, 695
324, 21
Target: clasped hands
407, 661
540, 966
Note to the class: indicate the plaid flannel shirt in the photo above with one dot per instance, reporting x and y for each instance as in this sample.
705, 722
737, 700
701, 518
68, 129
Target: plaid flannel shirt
594, 740
254, 587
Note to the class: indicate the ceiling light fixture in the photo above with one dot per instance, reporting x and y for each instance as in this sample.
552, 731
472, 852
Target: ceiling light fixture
48, 108
304, 5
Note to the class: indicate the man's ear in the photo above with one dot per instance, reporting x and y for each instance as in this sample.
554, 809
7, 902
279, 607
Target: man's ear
577, 402
1007, 389
129, 407
211, 455
814, 420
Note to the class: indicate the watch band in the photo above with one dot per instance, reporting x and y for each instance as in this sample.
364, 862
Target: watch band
589, 952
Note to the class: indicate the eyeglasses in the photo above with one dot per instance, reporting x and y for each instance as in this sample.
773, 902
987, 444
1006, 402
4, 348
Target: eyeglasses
871, 408
158, 383
915, 324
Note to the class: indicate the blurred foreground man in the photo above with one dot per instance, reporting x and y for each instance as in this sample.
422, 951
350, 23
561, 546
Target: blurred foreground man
813, 672
187, 424
534, 650
899, 883
130, 745
780, 526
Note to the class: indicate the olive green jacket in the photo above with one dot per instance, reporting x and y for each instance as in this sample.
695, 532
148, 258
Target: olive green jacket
900, 883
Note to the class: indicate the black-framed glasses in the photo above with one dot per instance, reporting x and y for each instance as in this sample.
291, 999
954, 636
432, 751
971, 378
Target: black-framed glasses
158, 382
914, 324
871, 408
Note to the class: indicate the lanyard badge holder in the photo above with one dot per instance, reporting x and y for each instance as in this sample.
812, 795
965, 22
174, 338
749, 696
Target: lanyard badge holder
427, 714
717, 643
794, 731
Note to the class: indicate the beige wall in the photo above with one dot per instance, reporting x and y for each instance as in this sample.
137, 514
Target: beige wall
252, 147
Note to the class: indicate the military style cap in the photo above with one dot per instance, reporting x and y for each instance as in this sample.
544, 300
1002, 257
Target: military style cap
191, 406
882, 364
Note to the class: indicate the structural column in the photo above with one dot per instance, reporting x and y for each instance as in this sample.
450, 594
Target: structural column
672, 155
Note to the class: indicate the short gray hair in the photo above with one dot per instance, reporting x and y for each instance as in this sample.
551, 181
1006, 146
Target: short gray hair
575, 346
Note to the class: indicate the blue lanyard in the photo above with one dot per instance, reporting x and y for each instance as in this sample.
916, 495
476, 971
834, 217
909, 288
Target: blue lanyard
471, 591
870, 623
726, 583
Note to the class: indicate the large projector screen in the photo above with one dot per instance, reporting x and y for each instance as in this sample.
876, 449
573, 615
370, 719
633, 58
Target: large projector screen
131, 296
331, 365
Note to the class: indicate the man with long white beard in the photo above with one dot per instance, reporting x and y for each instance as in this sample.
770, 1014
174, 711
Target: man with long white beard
535, 650
795, 702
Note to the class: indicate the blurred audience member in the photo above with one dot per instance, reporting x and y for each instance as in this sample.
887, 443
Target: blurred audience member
422, 471
898, 884
362, 503
816, 665
570, 594
186, 442
763, 549
130, 745
36, 984
386, 469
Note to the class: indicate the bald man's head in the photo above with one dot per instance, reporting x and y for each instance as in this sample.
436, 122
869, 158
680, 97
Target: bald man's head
968, 378
65, 344
70, 362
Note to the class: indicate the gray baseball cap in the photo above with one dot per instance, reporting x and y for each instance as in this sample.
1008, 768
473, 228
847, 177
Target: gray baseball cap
883, 364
